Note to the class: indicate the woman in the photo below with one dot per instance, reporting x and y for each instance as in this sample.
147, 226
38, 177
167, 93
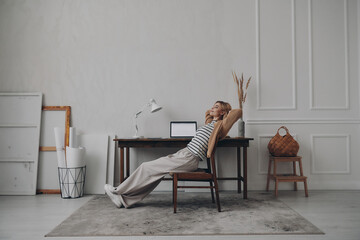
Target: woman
218, 121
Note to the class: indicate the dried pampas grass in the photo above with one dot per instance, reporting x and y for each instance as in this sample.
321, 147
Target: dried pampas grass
240, 88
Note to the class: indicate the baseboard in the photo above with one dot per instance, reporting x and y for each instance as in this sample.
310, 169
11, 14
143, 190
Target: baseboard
48, 191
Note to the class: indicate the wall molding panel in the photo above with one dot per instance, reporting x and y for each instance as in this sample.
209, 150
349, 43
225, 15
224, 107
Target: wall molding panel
312, 94
293, 104
321, 158
301, 121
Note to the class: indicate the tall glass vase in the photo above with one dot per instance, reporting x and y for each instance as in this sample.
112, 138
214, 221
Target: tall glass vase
241, 128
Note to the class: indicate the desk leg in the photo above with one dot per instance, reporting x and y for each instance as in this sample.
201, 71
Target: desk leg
127, 162
245, 171
238, 169
121, 164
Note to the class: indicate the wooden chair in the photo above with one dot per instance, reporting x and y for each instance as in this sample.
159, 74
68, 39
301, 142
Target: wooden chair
200, 175
292, 177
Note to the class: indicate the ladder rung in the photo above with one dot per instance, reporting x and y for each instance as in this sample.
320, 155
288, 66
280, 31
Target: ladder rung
195, 187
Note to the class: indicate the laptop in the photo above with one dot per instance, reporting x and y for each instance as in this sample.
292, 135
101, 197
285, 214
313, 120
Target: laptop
183, 129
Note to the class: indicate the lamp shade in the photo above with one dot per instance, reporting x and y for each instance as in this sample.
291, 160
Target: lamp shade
154, 106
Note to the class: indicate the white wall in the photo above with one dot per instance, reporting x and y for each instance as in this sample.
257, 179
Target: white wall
312, 88
107, 58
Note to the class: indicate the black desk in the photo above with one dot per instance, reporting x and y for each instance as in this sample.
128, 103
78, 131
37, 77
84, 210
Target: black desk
238, 142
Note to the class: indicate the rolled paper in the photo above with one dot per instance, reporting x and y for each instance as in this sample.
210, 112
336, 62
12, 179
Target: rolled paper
59, 137
59, 142
72, 138
75, 157
61, 158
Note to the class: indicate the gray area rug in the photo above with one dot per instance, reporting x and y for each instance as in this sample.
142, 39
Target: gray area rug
261, 213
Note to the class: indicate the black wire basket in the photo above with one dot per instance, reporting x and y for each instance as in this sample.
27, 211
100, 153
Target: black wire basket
72, 182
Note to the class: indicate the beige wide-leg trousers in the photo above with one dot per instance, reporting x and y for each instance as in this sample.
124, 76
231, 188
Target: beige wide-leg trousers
149, 174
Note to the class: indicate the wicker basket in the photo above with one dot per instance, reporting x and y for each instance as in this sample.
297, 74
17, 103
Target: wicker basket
283, 146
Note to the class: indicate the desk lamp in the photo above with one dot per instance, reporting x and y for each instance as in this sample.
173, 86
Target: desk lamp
153, 108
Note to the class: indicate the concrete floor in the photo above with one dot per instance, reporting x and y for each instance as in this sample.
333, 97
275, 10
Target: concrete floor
337, 213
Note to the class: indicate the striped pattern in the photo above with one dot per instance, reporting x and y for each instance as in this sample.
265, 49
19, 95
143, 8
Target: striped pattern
199, 144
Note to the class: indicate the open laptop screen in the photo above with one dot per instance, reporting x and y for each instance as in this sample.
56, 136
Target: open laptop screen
183, 129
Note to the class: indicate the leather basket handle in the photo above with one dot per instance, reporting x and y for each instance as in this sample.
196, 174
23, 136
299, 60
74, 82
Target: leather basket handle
285, 128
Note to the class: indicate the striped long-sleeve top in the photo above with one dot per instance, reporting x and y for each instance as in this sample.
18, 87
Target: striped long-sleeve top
199, 144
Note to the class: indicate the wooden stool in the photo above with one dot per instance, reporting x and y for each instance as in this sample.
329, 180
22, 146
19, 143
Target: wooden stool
286, 177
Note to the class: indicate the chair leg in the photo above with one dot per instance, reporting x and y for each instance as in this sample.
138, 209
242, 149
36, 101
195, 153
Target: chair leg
175, 187
268, 176
305, 181
306, 189
276, 187
217, 195
212, 191
294, 170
